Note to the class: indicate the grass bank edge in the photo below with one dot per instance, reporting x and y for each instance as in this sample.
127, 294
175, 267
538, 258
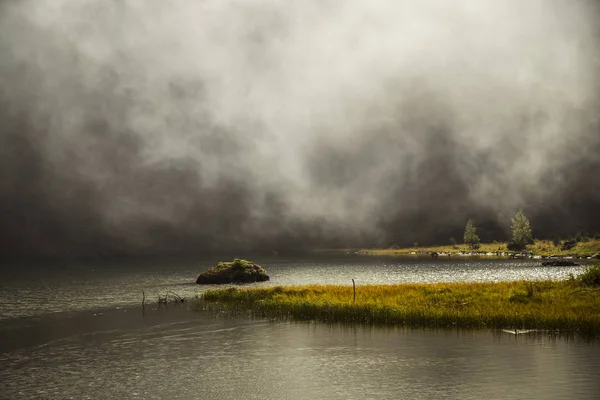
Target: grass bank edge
543, 248
568, 306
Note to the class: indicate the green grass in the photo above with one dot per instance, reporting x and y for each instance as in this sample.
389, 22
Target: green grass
567, 306
540, 247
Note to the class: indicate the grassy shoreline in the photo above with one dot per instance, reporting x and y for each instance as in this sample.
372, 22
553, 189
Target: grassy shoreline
542, 248
565, 306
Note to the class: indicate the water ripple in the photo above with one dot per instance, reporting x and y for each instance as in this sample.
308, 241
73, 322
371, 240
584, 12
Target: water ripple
38, 289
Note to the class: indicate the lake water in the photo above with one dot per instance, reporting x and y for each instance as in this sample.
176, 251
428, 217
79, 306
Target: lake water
76, 330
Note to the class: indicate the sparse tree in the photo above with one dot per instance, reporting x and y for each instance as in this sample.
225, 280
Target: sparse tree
521, 232
470, 238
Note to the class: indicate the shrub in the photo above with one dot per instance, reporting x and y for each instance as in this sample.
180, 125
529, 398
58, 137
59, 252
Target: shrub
591, 277
580, 237
512, 246
453, 242
569, 244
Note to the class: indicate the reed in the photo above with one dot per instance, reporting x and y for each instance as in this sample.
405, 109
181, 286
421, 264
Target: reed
566, 306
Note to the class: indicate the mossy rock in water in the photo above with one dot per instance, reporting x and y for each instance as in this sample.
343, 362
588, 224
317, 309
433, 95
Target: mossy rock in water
237, 271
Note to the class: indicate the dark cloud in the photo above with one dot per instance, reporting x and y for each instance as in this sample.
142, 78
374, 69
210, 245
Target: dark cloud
155, 127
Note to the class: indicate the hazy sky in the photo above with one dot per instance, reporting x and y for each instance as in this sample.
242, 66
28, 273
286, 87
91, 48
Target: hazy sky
136, 126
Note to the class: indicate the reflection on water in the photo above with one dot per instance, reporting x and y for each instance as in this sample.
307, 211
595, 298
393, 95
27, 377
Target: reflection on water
28, 290
76, 332
183, 355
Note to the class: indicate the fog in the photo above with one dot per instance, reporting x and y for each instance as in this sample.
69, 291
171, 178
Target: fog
147, 127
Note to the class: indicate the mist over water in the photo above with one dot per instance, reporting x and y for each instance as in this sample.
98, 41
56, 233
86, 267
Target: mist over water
156, 126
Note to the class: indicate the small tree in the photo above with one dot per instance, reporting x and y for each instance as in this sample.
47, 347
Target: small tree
521, 232
470, 238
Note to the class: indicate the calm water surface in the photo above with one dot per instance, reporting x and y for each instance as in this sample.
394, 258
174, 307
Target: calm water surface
77, 331
37, 289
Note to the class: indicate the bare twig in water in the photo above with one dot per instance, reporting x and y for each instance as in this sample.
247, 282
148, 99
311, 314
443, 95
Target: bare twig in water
170, 297
176, 297
143, 303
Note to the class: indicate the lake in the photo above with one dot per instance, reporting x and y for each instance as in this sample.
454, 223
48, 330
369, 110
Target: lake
76, 330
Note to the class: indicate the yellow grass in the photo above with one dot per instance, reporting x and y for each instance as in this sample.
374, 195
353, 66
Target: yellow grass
548, 305
540, 247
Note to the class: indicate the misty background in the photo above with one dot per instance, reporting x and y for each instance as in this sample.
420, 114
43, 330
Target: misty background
167, 127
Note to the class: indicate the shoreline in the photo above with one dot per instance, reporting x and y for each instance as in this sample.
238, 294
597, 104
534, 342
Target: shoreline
540, 249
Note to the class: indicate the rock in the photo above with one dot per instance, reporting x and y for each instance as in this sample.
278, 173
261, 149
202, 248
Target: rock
596, 256
559, 263
237, 271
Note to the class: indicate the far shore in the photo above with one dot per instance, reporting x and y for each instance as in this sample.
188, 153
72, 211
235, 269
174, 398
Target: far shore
540, 249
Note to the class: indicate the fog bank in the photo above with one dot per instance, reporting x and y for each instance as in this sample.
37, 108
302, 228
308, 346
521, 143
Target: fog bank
160, 126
